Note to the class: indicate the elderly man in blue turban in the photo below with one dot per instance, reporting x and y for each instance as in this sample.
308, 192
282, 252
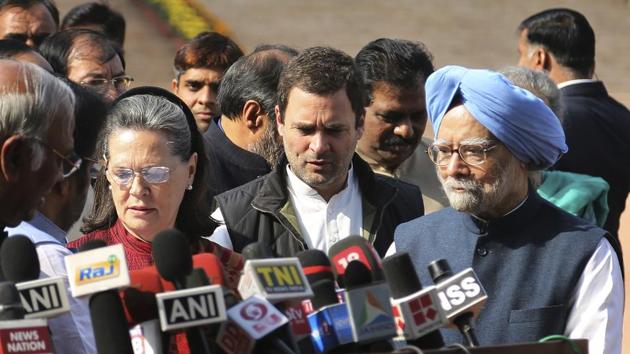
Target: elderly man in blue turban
545, 271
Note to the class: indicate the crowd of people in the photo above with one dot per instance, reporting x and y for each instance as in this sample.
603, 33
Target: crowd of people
525, 179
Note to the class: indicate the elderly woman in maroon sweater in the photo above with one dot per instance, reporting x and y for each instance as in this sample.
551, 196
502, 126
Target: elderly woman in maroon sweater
153, 179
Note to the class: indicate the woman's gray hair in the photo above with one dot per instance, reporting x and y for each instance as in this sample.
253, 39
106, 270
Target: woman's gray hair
166, 115
536, 82
45, 101
148, 112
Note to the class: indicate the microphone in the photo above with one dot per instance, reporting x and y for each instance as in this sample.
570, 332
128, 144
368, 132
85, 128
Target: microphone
41, 298
417, 311
316, 265
330, 324
461, 297
280, 281
354, 248
99, 271
10, 305
19, 259
141, 311
173, 260
369, 306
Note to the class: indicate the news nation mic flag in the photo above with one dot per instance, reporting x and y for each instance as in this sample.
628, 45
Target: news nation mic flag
25, 337
97, 270
278, 279
191, 307
44, 298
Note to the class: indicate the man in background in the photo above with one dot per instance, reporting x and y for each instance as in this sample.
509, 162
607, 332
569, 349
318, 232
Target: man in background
562, 43
394, 72
28, 21
321, 191
199, 67
243, 143
36, 148
72, 331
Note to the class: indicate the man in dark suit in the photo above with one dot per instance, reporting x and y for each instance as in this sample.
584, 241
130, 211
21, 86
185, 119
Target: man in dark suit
562, 43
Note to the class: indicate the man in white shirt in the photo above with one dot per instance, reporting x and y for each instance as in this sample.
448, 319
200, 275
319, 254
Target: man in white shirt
321, 192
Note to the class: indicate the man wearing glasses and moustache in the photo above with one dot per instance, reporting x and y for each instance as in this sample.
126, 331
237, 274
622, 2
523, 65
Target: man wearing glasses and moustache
545, 271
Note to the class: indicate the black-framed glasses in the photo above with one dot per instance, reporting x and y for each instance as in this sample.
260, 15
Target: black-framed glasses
154, 175
120, 83
471, 154
71, 162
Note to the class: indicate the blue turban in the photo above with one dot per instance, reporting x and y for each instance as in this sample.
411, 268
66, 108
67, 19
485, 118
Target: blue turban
520, 120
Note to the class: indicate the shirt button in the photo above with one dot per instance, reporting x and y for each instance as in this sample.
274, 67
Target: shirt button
482, 251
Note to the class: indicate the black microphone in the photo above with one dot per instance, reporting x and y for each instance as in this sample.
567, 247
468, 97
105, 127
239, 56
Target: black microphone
316, 265
173, 260
417, 311
19, 259
354, 248
461, 297
111, 334
10, 305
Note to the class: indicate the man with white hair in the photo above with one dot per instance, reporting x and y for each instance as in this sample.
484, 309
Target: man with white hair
36, 141
545, 271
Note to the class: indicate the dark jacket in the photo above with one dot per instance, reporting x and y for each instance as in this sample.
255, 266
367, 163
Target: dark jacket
261, 210
528, 262
230, 166
597, 130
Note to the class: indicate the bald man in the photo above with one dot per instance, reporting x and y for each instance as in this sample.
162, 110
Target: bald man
545, 271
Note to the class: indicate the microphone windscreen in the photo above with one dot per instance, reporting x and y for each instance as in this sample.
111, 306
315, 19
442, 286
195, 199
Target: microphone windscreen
92, 245
256, 250
401, 275
111, 333
325, 293
19, 259
196, 278
211, 265
10, 301
354, 248
316, 265
172, 256
139, 299
440, 270
357, 275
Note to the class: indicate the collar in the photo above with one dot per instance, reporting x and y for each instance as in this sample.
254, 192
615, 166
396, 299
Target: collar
216, 140
301, 188
575, 82
40, 229
513, 220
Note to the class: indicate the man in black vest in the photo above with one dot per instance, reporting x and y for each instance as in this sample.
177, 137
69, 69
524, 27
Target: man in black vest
545, 271
562, 43
243, 143
321, 192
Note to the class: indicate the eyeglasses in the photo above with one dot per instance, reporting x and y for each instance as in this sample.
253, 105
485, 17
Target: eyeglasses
71, 162
120, 83
154, 175
471, 154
